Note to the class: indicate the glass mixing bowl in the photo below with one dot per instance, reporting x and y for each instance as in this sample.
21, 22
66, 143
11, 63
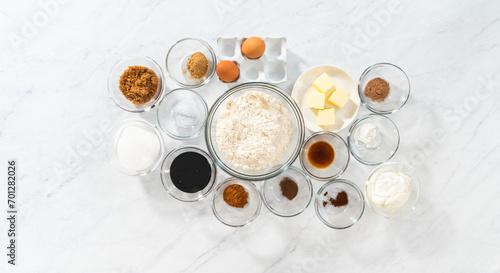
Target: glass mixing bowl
296, 135
389, 140
113, 136
178, 56
343, 216
410, 204
236, 217
399, 85
340, 161
182, 114
114, 83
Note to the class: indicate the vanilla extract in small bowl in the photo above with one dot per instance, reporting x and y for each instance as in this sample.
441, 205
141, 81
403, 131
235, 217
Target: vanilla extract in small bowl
324, 156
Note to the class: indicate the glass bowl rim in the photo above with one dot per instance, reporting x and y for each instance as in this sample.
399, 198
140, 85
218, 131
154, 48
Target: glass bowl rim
297, 114
319, 178
310, 187
123, 170
360, 91
212, 55
161, 79
351, 132
350, 184
226, 181
199, 150
205, 111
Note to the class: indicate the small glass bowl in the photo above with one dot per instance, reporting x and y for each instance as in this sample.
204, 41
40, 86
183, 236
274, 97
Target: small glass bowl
236, 217
182, 114
389, 135
340, 217
114, 83
410, 205
399, 88
340, 161
178, 56
111, 146
169, 185
279, 204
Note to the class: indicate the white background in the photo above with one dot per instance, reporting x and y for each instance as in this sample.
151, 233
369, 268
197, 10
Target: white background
79, 214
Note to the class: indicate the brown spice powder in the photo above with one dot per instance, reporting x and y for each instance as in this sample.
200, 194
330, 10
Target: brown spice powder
197, 65
289, 188
377, 89
235, 195
139, 84
340, 200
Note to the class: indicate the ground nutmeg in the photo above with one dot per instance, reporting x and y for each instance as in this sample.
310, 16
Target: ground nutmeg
235, 195
377, 89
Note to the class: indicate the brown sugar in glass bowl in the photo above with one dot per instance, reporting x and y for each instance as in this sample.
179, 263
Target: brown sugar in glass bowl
138, 85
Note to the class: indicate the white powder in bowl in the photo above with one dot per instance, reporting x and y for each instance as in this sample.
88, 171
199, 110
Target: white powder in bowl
368, 134
253, 131
137, 147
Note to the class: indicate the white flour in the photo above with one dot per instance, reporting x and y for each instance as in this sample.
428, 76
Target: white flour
253, 132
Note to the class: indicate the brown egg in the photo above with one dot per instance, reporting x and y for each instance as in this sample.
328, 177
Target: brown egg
253, 47
227, 71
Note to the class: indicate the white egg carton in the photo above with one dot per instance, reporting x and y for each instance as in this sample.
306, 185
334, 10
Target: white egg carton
270, 67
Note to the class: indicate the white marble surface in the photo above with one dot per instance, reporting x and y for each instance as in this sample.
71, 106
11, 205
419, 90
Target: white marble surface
88, 217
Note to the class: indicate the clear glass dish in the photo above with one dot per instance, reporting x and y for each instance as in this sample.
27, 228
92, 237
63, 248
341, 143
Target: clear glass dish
343, 216
399, 85
111, 146
410, 205
182, 114
178, 56
169, 185
296, 136
278, 204
236, 217
114, 83
389, 136
340, 162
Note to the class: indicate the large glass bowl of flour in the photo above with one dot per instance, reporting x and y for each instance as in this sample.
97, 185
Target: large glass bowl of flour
257, 135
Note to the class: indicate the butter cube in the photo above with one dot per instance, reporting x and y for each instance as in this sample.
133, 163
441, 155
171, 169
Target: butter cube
323, 83
339, 98
316, 100
326, 117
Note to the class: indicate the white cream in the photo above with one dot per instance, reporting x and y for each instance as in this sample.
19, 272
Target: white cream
137, 147
368, 134
389, 189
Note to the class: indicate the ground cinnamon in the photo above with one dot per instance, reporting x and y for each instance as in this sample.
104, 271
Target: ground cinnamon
341, 200
289, 188
197, 65
139, 84
377, 89
235, 195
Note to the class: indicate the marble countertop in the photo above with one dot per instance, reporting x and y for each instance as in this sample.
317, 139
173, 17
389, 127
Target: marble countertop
76, 213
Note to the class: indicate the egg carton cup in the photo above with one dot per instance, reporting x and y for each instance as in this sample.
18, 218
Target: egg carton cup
270, 67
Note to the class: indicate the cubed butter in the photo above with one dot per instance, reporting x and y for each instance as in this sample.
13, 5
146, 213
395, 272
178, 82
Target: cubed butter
323, 83
326, 117
316, 100
339, 98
